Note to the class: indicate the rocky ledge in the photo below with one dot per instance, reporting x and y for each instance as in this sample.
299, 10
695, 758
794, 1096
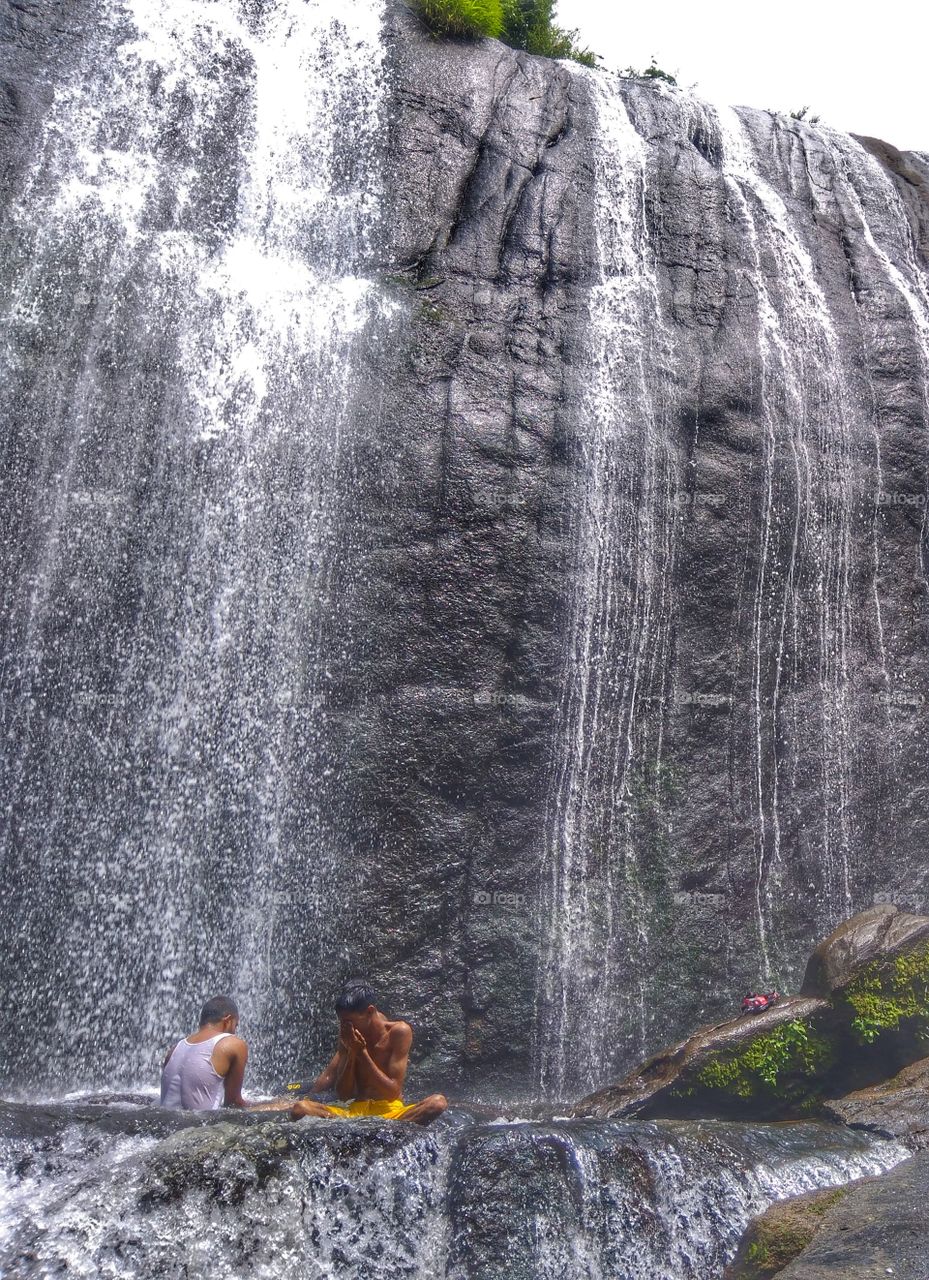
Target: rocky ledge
861, 1017
870, 1227
113, 1189
896, 1108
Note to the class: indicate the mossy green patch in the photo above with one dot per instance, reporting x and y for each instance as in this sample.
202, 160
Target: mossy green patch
786, 1060
781, 1234
469, 18
886, 991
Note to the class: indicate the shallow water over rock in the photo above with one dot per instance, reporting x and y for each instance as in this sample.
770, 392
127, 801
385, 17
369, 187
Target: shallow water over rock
116, 1191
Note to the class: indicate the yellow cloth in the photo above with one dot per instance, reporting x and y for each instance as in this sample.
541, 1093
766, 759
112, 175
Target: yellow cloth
386, 1108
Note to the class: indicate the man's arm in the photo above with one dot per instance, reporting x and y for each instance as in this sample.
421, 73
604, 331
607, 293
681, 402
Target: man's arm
229, 1060
388, 1085
330, 1073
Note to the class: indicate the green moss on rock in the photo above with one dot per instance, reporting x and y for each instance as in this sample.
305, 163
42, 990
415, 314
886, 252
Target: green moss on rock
781, 1234
785, 1060
522, 24
887, 991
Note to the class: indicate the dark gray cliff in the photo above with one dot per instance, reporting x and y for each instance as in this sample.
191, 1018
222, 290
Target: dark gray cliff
771, 550
470, 430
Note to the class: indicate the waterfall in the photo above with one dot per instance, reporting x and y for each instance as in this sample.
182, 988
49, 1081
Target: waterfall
189, 279
533, 1201
610, 730
801, 599
792, 708
235, 647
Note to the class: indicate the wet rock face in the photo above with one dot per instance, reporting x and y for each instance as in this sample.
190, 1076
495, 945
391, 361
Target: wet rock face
366, 1200
37, 37
794, 439
910, 174
896, 1108
25, 1120
457, 607
879, 1228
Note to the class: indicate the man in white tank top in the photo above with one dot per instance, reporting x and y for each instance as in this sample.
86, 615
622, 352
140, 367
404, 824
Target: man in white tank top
205, 1071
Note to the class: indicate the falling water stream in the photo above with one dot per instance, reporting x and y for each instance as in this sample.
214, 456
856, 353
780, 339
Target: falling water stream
617, 659
189, 274
796, 705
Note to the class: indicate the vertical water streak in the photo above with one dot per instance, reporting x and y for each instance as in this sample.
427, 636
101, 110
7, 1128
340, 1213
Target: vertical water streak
802, 603
803, 683
595, 912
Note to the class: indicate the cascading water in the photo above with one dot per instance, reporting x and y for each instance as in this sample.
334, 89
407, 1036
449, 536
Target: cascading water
641, 1201
188, 273
619, 933
189, 313
801, 601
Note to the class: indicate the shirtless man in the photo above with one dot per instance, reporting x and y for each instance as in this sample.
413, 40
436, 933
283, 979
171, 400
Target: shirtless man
205, 1071
369, 1065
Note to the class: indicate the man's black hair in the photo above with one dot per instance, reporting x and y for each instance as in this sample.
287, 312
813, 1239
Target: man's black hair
217, 1008
355, 996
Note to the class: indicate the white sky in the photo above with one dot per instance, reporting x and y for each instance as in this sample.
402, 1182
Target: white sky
861, 69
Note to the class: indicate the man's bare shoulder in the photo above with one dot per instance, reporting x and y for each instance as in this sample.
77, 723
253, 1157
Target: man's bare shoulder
400, 1033
230, 1046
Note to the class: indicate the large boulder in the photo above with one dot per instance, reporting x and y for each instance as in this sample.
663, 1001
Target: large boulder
871, 936
877, 1227
783, 1231
861, 1017
874, 968
753, 1064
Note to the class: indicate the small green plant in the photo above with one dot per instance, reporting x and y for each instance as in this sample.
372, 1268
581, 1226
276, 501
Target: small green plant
881, 995
468, 18
530, 25
792, 1049
801, 115
523, 24
758, 1254
652, 72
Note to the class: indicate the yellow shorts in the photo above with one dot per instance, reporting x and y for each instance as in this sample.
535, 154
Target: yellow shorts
386, 1108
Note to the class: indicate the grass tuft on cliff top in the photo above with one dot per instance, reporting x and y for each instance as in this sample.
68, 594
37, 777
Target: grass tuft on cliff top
468, 18
522, 24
